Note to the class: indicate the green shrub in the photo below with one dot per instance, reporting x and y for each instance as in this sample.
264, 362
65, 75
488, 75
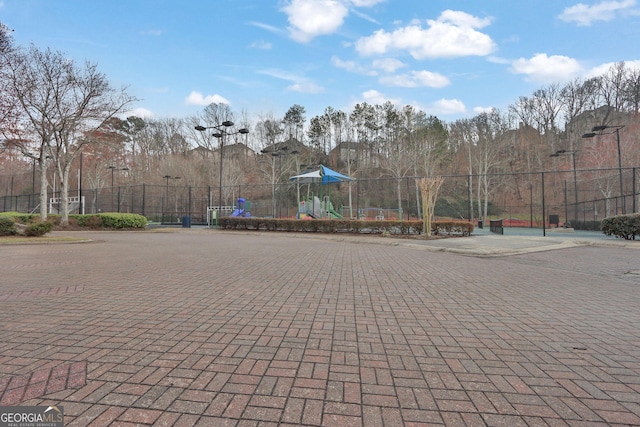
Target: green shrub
7, 225
38, 228
87, 220
122, 220
386, 227
623, 226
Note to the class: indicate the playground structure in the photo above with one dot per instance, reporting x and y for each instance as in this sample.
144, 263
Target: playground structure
241, 209
315, 208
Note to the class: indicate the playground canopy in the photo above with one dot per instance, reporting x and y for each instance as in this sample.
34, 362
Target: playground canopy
323, 175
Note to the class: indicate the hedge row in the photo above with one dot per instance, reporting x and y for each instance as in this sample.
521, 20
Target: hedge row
32, 225
415, 227
623, 226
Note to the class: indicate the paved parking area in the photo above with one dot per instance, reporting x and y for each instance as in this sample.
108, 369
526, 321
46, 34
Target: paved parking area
208, 328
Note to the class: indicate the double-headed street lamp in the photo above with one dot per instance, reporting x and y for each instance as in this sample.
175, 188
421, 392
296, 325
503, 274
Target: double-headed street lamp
280, 155
221, 134
575, 183
282, 151
599, 130
167, 178
113, 169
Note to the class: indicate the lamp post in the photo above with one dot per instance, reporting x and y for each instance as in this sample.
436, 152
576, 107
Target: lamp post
599, 130
113, 169
278, 155
33, 179
167, 178
281, 152
80, 201
220, 134
575, 182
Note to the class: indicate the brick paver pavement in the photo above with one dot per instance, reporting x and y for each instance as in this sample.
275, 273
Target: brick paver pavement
207, 328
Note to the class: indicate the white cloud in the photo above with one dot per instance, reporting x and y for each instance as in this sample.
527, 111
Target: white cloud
453, 34
365, 3
352, 67
416, 79
262, 45
585, 15
449, 106
498, 60
374, 97
299, 84
389, 65
365, 16
312, 18
140, 112
604, 68
266, 27
480, 110
547, 69
305, 87
196, 98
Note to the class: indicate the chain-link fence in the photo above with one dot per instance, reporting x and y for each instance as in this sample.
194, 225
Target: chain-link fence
580, 198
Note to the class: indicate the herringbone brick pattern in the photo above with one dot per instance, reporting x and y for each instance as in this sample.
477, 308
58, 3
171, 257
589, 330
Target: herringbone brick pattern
207, 328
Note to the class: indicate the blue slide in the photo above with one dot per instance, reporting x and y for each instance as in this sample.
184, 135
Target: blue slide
238, 212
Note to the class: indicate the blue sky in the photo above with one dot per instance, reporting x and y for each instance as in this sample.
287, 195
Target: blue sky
450, 58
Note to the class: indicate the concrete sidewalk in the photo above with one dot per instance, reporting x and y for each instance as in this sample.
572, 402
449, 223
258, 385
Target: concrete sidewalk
209, 328
482, 243
489, 245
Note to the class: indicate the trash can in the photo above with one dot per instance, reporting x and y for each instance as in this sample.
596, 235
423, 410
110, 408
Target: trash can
480, 223
186, 221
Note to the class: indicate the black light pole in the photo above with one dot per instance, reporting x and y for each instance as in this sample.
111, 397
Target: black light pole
113, 168
80, 201
283, 152
33, 181
222, 132
599, 130
279, 155
167, 178
575, 181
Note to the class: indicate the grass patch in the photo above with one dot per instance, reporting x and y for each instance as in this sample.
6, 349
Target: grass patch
23, 240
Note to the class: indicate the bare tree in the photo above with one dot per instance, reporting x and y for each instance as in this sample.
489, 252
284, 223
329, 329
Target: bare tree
60, 103
632, 91
427, 145
6, 102
611, 86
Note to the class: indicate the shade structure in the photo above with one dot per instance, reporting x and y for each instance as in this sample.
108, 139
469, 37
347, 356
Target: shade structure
323, 175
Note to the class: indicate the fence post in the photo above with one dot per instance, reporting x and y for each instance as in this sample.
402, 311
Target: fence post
544, 212
189, 202
469, 203
633, 183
